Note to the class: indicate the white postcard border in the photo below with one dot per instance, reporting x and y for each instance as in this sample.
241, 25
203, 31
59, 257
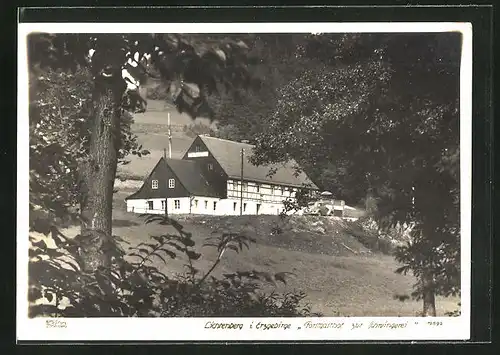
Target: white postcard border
192, 329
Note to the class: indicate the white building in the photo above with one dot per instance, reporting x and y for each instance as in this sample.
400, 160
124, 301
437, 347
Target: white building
209, 180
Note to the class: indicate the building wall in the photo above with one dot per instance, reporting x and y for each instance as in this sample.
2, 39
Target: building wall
203, 205
258, 198
231, 207
181, 205
144, 205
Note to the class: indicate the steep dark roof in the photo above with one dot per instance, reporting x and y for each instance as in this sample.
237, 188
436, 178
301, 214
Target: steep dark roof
228, 155
190, 175
143, 191
187, 172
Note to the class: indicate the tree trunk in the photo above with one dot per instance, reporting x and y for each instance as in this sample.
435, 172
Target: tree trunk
429, 297
98, 179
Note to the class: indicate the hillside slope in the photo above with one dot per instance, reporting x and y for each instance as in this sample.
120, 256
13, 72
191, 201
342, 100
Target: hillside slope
340, 275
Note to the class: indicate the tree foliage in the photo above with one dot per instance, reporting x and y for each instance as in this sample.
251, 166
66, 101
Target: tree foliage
383, 110
134, 285
83, 88
59, 132
191, 67
246, 116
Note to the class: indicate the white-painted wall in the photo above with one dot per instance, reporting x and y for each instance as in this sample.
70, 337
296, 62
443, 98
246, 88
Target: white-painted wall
203, 205
269, 197
143, 205
231, 206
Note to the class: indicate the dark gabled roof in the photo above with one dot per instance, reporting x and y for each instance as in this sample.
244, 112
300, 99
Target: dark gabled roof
141, 192
227, 153
187, 172
190, 175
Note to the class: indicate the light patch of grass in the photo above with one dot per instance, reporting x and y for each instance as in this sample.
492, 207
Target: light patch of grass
156, 113
336, 284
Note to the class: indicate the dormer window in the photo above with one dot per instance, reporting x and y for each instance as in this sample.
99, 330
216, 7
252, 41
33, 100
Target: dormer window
154, 184
210, 166
171, 183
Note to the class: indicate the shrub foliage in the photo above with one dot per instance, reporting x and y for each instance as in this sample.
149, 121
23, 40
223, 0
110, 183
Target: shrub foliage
134, 286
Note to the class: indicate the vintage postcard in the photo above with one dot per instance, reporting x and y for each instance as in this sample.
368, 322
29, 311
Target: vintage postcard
244, 181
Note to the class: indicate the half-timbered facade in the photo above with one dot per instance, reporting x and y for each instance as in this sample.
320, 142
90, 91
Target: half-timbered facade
216, 177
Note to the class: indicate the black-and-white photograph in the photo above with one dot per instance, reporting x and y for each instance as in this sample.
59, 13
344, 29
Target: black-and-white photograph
232, 175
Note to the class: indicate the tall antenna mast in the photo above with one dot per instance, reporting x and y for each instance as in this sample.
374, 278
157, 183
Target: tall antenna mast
169, 137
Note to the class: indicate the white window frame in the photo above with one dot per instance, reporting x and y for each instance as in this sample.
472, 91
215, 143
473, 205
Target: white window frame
206, 204
171, 183
196, 203
215, 205
154, 184
177, 204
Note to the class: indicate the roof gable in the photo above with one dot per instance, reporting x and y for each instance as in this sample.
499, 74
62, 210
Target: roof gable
187, 173
228, 154
148, 177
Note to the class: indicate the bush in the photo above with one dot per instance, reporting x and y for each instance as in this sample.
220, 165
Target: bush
140, 289
367, 232
323, 211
